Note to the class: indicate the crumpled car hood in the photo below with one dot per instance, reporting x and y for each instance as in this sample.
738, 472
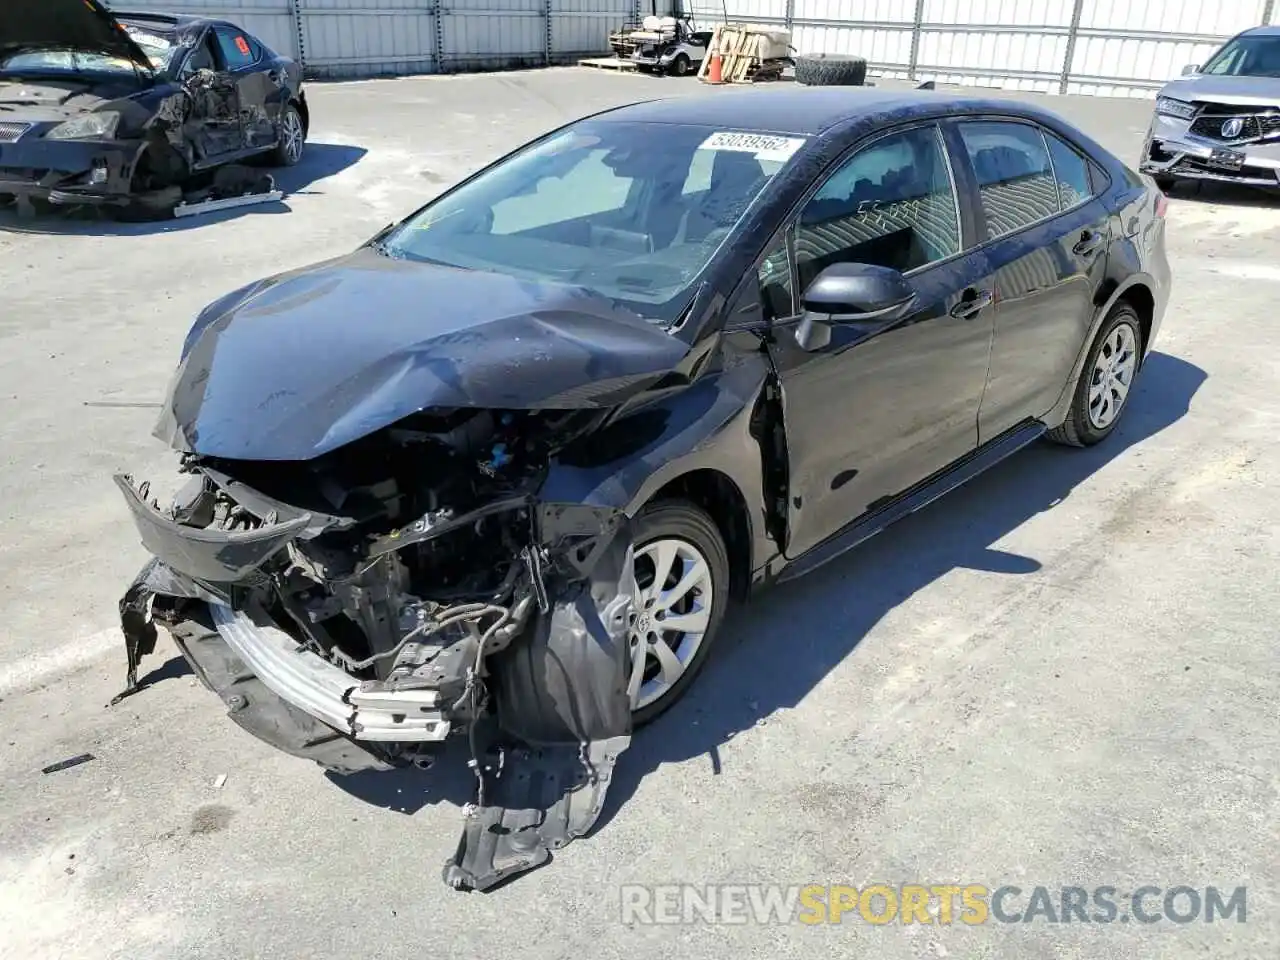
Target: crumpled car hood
309, 361
1246, 91
67, 25
57, 99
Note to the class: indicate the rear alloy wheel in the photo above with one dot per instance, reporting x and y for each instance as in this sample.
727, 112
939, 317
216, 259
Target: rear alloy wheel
682, 588
293, 138
1105, 382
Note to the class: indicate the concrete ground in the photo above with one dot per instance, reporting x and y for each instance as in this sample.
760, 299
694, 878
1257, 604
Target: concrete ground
1064, 674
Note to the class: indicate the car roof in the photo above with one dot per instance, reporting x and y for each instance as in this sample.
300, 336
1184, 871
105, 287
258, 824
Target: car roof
809, 111
1263, 31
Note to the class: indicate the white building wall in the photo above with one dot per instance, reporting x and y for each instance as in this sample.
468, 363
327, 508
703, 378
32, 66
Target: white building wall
1115, 47
352, 38
1109, 47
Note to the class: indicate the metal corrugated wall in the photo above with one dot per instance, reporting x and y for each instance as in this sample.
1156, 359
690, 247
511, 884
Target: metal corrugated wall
1112, 47
353, 38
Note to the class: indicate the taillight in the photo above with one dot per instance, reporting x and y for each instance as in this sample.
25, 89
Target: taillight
1162, 203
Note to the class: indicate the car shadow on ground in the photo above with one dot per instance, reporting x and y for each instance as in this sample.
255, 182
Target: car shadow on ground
773, 654
321, 161
794, 635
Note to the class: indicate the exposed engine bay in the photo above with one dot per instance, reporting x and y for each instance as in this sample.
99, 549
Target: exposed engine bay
360, 607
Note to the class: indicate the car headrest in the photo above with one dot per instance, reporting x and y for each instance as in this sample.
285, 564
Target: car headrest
733, 167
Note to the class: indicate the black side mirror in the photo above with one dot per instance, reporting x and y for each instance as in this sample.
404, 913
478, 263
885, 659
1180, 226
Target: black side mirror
851, 293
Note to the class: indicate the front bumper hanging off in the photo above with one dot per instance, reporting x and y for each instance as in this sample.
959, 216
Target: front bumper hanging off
69, 172
555, 712
1171, 150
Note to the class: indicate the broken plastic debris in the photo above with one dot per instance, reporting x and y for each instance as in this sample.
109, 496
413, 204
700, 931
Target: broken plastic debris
187, 209
68, 763
217, 784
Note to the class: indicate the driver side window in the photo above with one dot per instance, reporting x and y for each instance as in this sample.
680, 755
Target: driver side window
891, 204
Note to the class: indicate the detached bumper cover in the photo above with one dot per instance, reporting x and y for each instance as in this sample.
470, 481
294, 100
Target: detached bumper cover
547, 716
68, 171
207, 554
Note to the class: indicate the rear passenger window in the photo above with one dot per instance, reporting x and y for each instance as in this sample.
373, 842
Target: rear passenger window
891, 205
1070, 170
237, 51
1015, 177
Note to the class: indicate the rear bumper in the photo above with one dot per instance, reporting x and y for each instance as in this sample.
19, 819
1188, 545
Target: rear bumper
68, 171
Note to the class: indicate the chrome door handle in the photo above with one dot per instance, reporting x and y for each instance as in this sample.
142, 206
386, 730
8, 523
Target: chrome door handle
972, 303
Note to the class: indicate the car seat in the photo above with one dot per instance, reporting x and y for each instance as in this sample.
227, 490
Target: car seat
736, 177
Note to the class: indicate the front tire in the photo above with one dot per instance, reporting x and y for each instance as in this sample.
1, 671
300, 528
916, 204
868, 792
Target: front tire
682, 592
1106, 381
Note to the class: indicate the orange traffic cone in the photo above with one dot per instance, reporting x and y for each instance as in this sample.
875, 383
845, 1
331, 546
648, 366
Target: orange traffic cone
714, 74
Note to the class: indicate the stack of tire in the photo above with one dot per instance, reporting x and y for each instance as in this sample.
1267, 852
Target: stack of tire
830, 70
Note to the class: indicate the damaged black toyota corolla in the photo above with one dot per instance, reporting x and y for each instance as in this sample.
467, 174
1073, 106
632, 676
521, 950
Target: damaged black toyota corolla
499, 472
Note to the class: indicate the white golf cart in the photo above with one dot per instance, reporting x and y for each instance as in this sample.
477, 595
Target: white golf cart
662, 45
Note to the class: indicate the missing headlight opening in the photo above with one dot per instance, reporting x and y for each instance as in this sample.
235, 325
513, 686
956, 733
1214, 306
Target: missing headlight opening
360, 607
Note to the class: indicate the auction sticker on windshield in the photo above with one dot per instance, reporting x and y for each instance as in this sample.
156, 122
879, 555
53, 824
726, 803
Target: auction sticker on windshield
765, 146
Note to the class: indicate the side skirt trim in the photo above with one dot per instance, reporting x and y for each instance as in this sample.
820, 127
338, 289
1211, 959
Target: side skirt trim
920, 496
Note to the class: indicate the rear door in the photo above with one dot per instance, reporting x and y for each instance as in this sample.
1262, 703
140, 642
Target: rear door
257, 91
1046, 236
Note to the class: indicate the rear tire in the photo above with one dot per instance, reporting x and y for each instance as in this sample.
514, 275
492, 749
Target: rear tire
831, 70
680, 66
1106, 381
662, 529
293, 139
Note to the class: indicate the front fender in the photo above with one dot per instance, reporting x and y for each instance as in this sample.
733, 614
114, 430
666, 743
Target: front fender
706, 426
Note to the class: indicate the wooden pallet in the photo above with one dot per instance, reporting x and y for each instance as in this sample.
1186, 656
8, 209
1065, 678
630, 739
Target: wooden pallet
740, 60
608, 63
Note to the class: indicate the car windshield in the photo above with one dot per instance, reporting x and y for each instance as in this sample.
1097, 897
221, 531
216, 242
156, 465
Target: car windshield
62, 60
1257, 56
161, 48
631, 211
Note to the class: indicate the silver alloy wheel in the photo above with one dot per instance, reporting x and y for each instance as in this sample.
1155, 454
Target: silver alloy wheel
672, 613
1112, 376
292, 135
